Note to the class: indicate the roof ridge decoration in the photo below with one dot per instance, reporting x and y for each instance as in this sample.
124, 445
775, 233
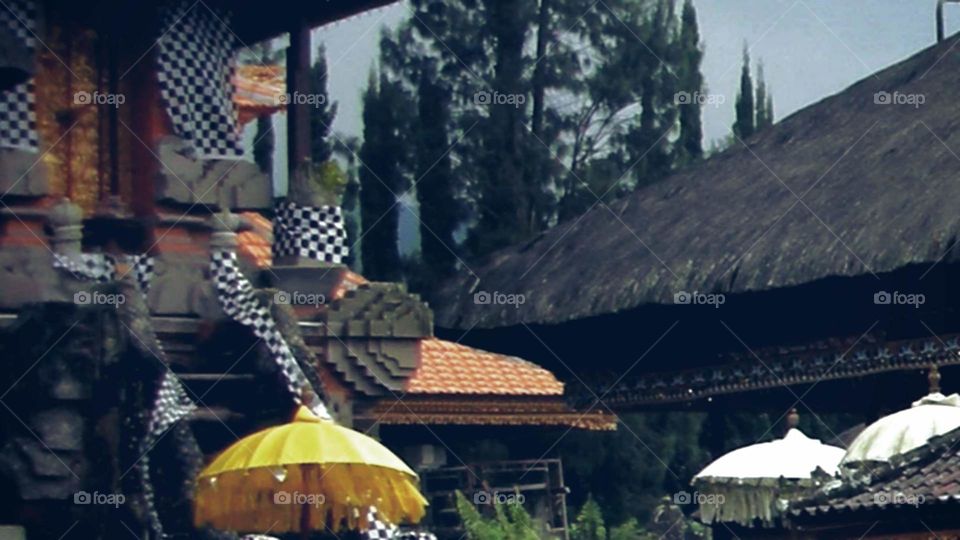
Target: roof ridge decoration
799, 368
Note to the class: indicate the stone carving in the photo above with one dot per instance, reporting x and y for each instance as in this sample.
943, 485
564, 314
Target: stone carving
217, 184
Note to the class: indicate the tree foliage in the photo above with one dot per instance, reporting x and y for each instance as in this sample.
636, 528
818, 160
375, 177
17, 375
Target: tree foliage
535, 112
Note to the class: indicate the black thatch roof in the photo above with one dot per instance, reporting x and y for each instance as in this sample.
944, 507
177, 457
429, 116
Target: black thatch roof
879, 183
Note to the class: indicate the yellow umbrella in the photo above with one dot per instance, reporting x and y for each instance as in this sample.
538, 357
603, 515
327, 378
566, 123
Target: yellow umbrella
310, 474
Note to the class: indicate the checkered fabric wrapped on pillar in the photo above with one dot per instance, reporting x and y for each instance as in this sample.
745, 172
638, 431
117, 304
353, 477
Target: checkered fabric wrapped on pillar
18, 117
312, 232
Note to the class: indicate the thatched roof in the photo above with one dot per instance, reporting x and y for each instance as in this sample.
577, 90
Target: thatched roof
880, 187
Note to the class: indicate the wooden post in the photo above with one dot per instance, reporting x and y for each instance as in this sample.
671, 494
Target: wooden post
940, 20
298, 114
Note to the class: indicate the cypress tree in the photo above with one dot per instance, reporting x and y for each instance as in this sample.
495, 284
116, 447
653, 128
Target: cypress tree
764, 100
746, 123
323, 111
381, 179
691, 56
435, 190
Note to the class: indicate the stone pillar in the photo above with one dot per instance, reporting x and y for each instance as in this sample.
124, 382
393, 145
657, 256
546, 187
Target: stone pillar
224, 226
66, 219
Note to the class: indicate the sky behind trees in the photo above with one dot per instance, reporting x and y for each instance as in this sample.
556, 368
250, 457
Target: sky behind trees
810, 49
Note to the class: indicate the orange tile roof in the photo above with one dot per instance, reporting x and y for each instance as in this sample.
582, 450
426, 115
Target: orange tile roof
254, 244
451, 368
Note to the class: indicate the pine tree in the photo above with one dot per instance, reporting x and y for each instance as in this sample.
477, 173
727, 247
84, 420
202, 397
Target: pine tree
746, 122
435, 189
690, 144
322, 112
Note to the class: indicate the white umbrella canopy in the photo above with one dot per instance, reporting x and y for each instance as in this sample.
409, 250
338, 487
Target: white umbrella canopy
904, 430
795, 456
754, 483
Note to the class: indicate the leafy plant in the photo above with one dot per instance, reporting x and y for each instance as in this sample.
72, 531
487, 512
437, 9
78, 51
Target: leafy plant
589, 524
514, 523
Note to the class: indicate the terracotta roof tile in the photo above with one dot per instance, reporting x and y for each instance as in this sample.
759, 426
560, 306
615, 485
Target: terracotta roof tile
451, 368
254, 244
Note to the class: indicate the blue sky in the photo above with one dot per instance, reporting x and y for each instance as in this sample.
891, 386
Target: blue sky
810, 48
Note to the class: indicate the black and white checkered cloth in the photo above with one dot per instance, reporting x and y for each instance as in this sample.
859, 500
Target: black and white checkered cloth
170, 406
237, 299
196, 68
97, 267
378, 529
18, 118
171, 403
315, 233
102, 268
143, 266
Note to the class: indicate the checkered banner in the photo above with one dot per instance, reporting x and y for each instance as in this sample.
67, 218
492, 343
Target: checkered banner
312, 232
237, 299
196, 60
18, 117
